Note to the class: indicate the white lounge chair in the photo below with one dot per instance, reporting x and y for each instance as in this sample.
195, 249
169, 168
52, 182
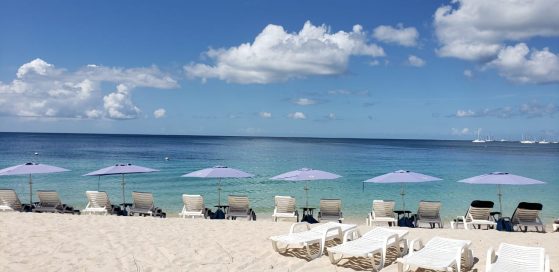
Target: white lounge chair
238, 207
319, 234
528, 215
285, 208
98, 203
9, 202
193, 207
330, 210
478, 214
429, 212
440, 254
376, 241
143, 205
382, 212
50, 202
513, 258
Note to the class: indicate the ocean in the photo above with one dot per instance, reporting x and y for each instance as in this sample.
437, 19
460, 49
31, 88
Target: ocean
354, 159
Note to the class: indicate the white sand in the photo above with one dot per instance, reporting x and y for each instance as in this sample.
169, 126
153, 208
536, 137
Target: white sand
52, 242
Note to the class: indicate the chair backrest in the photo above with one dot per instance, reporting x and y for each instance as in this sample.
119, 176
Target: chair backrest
522, 258
526, 212
383, 208
142, 200
284, 204
193, 203
238, 204
446, 245
480, 210
98, 199
429, 209
48, 198
330, 207
8, 197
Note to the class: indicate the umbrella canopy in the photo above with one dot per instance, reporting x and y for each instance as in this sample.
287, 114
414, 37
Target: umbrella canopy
121, 169
501, 178
218, 172
402, 176
306, 174
29, 169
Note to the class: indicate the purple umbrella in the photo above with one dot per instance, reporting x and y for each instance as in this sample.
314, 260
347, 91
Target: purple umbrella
403, 177
218, 172
306, 174
29, 169
501, 178
121, 169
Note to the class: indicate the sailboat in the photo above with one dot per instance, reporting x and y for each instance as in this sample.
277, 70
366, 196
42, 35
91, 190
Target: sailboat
543, 142
478, 139
525, 141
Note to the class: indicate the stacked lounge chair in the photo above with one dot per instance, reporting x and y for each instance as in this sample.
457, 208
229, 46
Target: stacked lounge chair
98, 203
528, 215
285, 208
143, 205
330, 210
9, 201
512, 258
239, 206
439, 254
193, 207
382, 211
429, 212
478, 214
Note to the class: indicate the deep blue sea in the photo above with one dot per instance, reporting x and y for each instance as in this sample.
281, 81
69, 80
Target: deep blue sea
354, 159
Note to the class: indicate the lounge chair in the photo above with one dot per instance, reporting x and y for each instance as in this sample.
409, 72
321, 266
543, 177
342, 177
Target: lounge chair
382, 212
439, 254
238, 207
513, 258
319, 234
376, 241
429, 212
50, 202
330, 210
528, 215
98, 203
478, 214
193, 207
143, 205
285, 208
9, 202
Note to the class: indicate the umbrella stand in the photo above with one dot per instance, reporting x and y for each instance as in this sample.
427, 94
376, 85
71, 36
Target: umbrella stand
500, 198
403, 194
30, 190
123, 198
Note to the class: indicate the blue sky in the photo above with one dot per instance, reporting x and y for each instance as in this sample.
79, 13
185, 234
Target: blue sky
393, 69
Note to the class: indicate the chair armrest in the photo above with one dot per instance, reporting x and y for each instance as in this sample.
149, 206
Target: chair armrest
546, 264
413, 243
491, 257
354, 232
387, 241
294, 225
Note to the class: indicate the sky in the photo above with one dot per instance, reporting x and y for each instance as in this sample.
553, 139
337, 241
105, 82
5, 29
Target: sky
354, 69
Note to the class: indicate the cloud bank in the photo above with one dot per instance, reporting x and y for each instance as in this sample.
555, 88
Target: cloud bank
398, 35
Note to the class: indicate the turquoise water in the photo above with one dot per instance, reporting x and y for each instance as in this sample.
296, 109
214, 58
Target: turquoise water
355, 159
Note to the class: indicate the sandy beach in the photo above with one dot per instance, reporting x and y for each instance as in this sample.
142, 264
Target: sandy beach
54, 242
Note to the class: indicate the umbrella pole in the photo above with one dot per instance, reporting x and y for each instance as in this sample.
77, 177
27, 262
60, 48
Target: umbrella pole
403, 193
122, 184
219, 192
98, 183
30, 190
500, 199
306, 194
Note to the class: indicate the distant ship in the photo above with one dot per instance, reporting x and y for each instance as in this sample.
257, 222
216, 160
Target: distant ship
503, 140
543, 142
526, 141
478, 139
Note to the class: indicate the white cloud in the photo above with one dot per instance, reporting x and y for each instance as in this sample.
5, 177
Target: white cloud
265, 114
297, 115
478, 29
276, 55
331, 116
532, 109
465, 113
159, 113
42, 90
518, 64
403, 36
468, 73
460, 131
304, 101
415, 61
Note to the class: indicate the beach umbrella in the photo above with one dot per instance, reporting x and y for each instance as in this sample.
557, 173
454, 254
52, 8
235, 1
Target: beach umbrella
306, 174
403, 177
501, 178
121, 169
31, 168
219, 172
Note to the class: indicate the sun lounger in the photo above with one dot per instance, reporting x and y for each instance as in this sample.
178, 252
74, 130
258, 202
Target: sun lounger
439, 254
50, 202
478, 214
513, 258
330, 210
143, 205
319, 234
382, 212
374, 242
98, 203
238, 207
9, 202
285, 208
193, 207
528, 215
429, 212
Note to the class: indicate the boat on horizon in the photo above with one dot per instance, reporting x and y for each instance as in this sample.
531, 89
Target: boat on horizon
526, 141
478, 139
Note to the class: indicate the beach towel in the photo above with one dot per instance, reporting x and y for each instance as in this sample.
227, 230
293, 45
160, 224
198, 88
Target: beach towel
504, 224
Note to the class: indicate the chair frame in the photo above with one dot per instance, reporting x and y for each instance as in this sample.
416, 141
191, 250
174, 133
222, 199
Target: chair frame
429, 207
287, 203
522, 256
190, 212
325, 214
375, 216
438, 243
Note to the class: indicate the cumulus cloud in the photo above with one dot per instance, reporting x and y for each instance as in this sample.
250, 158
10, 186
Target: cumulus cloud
528, 110
159, 113
459, 131
478, 29
468, 73
399, 35
304, 101
415, 61
297, 115
265, 114
42, 90
276, 55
